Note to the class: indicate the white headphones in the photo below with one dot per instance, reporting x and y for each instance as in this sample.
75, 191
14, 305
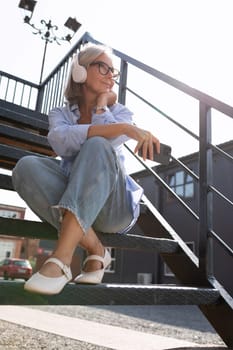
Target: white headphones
79, 73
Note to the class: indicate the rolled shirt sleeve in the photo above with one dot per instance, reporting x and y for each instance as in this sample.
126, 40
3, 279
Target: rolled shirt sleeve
66, 136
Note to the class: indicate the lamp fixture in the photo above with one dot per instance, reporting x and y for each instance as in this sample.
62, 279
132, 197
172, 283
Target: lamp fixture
28, 6
47, 29
72, 24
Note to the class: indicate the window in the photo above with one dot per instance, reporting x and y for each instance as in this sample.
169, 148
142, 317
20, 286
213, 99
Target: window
23, 263
112, 267
5, 262
182, 184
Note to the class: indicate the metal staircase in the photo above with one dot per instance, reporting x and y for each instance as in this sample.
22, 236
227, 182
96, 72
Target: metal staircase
197, 283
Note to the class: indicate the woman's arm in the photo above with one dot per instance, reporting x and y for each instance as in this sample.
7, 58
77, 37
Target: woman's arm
66, 136
144, 138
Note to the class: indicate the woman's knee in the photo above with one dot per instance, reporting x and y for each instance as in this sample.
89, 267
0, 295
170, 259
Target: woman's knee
99, 147
98, 141
24, 168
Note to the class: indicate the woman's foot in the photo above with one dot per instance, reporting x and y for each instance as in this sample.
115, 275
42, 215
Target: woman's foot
49, 269
94, 265
94, 276
41, 283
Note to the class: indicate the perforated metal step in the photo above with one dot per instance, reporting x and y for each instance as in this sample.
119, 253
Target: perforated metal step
110, 294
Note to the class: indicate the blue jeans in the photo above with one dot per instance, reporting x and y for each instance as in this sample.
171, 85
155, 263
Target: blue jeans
94, 191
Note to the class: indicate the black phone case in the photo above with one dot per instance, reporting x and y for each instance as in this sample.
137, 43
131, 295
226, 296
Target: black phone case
163, 157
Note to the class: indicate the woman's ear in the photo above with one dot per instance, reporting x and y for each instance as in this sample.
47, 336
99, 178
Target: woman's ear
79, 73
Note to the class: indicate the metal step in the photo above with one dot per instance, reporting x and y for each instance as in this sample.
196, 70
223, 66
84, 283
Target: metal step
23, 116
12, 293
33, 229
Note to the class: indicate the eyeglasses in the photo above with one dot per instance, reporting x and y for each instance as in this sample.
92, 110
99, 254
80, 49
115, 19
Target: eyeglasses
104, 69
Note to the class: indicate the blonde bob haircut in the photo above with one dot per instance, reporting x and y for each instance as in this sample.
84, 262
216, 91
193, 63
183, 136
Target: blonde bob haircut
87, 55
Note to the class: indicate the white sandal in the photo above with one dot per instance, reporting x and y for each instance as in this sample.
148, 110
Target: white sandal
41, 284
94, 277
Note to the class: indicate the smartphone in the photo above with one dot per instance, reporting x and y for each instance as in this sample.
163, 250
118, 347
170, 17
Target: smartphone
163, 157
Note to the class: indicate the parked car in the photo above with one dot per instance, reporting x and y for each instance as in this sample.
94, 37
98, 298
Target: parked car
15, 268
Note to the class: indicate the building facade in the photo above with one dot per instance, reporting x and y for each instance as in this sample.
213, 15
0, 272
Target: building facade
186, 226
12, 246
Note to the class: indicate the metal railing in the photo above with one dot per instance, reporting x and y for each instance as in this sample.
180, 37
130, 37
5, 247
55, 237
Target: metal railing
50, 94
51, 90
205, 178
18, 91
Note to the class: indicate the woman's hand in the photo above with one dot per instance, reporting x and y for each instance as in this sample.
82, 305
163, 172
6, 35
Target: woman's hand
106, 99
145, 141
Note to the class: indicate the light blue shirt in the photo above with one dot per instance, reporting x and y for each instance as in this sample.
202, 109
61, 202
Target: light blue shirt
66, 137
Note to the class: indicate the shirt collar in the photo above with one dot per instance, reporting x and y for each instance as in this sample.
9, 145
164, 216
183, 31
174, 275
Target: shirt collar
74, 107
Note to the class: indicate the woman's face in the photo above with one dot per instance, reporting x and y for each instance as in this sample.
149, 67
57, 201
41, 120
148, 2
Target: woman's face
99, 76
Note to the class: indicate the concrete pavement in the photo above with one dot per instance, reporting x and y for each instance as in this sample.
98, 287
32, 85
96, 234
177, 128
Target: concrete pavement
112, 337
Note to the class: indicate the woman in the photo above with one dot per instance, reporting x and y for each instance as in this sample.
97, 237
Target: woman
88, 189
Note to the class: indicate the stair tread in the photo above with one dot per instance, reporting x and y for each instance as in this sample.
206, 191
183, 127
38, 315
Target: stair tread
132, 241
41, 230
12, 292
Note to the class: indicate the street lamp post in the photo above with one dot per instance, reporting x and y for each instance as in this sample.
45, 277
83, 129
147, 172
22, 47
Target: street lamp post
47, 29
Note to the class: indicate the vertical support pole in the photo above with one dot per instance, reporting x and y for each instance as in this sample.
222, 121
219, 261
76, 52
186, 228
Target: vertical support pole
205, 195
122, 82
43, 61
40, 96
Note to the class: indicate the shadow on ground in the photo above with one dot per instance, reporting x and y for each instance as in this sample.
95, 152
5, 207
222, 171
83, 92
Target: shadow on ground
187, 316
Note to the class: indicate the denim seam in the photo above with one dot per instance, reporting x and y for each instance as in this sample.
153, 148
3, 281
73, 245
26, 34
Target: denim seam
63, 206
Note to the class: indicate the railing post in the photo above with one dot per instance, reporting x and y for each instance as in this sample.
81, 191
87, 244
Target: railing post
122, 82
205, 195
40, 96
